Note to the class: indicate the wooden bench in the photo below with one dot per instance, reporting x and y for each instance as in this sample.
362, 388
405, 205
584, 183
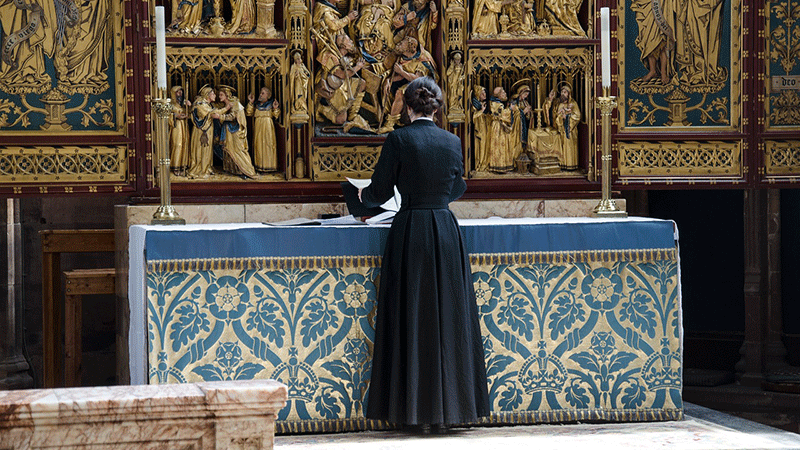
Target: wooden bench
90, 281
80, 282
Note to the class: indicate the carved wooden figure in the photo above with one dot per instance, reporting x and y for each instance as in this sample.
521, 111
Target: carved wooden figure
501, 157
299, 77
201, 154
567, 117
179, 132
265, 146
233, 136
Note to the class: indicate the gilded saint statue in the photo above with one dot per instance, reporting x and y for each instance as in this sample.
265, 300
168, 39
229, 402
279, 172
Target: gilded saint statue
412, 62
233, 136
417, 19
501, 122
328, 22
338, 87
544, 141
179, 132
480, 123
374, 30
201, 153
265, 146
243, 17
485, 17
455, 85
548, 108
523, 113
563, 17
299, 77
520, 17
187, 17
567, 117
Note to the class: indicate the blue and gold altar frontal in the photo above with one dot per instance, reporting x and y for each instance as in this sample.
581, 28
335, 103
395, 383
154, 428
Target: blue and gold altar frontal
581, 320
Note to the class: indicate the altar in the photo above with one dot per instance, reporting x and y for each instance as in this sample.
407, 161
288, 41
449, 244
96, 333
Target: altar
581, 318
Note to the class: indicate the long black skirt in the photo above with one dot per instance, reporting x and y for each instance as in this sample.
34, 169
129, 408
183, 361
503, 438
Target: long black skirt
428, 362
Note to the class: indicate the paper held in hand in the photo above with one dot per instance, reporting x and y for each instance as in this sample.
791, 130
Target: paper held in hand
391, 206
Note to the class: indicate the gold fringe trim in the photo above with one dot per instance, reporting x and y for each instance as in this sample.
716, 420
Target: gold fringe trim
320, 262
330, 426
572, 257
584, 415
496, 418
274, 263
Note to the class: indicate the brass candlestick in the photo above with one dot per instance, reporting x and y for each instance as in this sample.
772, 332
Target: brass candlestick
165, 214
607, 207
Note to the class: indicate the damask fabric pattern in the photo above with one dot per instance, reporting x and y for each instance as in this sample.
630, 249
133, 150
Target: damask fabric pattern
568, 335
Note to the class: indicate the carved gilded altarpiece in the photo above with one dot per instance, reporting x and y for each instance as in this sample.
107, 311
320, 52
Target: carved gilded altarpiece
546, 73
244, 71
345, 65
519, 82
64, 73
322, 80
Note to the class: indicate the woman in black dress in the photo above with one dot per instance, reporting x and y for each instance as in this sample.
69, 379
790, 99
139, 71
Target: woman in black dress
428, 362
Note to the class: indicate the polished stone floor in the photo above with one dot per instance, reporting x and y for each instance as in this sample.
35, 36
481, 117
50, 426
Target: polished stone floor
702, 428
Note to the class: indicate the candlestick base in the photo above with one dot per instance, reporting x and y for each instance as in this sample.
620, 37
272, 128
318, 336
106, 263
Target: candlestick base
608, 208
166, 215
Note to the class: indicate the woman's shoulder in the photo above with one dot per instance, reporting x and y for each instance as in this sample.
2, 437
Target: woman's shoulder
413, 138
445, 136
421, 127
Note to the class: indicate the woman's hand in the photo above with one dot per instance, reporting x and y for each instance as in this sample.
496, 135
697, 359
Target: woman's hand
359, 194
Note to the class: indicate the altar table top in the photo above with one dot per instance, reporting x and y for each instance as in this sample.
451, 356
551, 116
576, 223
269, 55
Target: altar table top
481, 236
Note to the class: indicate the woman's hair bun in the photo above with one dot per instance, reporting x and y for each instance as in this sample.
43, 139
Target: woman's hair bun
423, 96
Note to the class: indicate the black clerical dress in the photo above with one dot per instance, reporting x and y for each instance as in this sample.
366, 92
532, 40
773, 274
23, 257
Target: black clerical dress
428, 361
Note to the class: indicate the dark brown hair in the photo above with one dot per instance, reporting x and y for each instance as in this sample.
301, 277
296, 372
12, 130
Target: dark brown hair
423, 96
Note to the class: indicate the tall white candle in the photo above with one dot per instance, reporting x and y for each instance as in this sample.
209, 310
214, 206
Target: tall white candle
605, 45
161, 49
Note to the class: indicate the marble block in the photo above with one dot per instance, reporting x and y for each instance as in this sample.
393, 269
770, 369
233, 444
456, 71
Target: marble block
197, 416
